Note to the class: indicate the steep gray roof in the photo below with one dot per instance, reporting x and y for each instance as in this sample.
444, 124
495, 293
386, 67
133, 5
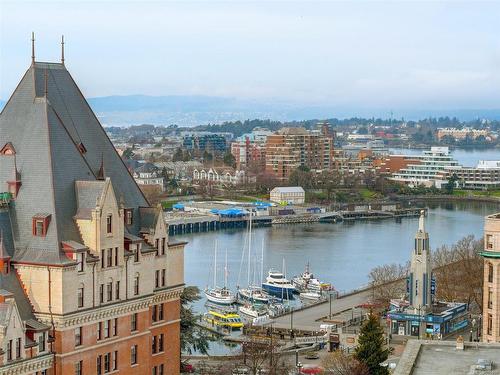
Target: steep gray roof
47, 132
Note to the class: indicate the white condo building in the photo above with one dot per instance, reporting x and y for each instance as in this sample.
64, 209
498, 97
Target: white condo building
425, 171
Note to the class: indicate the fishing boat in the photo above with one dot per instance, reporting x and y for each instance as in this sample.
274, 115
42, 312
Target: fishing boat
216, 294
225, 320
277, 284
306, 282
254, 311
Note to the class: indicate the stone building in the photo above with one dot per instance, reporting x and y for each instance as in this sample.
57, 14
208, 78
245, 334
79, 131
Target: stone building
97, 272
491, 285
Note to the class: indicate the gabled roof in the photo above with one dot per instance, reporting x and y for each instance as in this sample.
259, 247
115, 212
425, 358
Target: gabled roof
47, 132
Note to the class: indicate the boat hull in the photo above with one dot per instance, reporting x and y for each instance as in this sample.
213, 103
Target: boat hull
229, 300
252, 297
279, 290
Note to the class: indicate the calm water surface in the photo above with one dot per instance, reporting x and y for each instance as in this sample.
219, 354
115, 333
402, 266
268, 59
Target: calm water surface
342, 253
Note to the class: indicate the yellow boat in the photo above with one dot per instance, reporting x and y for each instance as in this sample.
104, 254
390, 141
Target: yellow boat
226, 320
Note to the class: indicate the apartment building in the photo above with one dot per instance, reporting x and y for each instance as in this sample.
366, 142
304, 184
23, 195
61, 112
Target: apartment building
98, 279
290, 148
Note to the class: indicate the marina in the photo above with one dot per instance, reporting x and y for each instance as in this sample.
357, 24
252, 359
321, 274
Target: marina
341, 254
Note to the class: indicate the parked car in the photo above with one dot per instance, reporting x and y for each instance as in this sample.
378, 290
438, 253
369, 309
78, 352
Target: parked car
187, 368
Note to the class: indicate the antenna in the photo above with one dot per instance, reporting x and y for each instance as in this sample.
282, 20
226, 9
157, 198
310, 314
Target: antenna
46, 76
62, 49
32, 47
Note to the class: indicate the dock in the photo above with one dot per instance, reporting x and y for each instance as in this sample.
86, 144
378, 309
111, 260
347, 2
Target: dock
180, 222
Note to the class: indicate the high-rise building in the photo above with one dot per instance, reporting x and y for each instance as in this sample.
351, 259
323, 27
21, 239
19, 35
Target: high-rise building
491, 284
86, 259
290, 148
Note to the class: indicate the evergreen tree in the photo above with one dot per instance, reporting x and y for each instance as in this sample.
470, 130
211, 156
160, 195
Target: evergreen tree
193, 338
371, 349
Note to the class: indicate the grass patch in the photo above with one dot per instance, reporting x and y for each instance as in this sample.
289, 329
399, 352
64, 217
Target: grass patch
368, 194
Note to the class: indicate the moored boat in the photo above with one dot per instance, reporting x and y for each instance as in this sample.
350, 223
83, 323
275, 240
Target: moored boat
278, 285
225, 320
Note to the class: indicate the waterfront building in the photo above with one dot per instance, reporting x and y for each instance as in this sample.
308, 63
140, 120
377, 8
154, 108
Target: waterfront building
491, 284
486, 175
290, 148
461, 134
87, 261
288, 195
419, 315
425, 172
393, 163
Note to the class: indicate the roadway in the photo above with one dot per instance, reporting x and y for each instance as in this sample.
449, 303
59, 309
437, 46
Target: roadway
307, 319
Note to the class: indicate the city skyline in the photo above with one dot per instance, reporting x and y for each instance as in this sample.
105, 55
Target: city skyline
411, 55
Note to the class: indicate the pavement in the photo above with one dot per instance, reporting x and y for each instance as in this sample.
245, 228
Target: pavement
307, 319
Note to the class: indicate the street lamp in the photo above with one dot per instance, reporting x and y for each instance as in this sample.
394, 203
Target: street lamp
330, 315
299, 368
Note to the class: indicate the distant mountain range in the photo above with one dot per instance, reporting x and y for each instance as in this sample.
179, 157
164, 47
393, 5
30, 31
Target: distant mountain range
197, 110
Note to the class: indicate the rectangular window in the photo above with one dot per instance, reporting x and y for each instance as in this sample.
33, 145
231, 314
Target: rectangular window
160, 369
116, 256
154, 370
153, 344
115, 360
107, 362
489, 241
154, 310
80, 257
115, 327
136, 254
39, 229
160, 343
103, 258
490, 298
109, 291
110, 257
133, 322
160, 311
9, 350
101, 293
129, 216
99, 364
157, 245
79, 368
163, 246
41, 342
109, 223
163, 277
136, 285
106, 329
133, 355
117, 290
18, 347
157, 278
78, 336
490, 324
80, 296
99, 331
490, 272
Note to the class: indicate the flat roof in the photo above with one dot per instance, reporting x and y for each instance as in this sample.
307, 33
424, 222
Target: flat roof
441, 357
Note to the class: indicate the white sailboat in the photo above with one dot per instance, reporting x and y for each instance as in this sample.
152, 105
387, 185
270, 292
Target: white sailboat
216, 294
253, 292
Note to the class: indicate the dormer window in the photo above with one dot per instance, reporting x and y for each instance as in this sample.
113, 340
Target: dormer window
81, 148
109, 223
40, 224
129, 216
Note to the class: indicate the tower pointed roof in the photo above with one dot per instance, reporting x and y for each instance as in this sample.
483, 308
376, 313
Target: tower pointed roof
58, 140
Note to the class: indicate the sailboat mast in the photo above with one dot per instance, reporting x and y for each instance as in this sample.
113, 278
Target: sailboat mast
225, 271
249, 248
215, 264
262, 262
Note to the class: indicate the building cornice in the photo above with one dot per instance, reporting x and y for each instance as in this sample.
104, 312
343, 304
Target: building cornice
94, 315
28, 366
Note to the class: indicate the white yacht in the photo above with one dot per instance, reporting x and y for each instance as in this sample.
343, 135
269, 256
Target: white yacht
278, 285
216, 294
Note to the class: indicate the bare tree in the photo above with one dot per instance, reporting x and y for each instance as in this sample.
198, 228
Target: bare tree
264, 353
340, 363
388, 281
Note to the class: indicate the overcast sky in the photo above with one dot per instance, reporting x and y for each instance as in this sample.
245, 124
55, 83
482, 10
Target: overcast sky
366, 54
